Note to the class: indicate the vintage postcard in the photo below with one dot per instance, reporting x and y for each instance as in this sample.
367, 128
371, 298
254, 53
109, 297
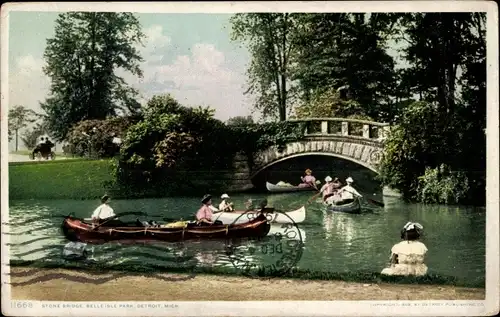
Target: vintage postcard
250, 158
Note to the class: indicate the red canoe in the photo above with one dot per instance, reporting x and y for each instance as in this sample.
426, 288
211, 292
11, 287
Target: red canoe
258, 227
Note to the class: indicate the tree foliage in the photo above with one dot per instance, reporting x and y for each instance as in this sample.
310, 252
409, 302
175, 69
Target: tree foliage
19, 118
269, 40
240, 121
172, 138
446, 54
82, 61
337, 50
94, 138
30, 137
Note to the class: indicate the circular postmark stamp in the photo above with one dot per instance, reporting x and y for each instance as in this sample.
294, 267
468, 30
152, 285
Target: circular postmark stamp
273, 246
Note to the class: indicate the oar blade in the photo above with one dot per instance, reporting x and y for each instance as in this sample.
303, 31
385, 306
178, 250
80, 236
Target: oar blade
378, 203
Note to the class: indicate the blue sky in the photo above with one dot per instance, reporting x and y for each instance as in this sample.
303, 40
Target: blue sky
188, 55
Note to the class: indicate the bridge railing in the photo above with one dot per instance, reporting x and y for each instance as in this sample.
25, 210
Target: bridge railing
348, 127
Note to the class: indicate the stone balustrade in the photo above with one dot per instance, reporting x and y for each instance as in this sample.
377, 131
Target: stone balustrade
383, 128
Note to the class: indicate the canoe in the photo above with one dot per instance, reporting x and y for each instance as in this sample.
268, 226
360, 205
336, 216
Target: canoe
296, 216
286, 189
258, 227
351, 208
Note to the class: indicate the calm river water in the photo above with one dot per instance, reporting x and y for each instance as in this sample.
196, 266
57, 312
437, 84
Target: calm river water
455, 236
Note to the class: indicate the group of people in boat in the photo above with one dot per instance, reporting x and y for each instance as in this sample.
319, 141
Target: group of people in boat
333, 192
204, 215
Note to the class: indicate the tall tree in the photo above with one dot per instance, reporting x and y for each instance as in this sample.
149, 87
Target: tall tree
268, 37
346, 50
82, 59
19, 118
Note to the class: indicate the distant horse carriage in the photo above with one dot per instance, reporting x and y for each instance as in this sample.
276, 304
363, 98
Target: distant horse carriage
43, 151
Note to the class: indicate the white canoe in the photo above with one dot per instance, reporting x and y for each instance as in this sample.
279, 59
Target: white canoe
292, 233
284, 189
296, 216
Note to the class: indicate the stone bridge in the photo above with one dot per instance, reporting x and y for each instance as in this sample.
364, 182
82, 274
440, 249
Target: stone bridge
358, 141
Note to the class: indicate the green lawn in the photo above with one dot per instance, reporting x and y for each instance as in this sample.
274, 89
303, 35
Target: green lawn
64, 179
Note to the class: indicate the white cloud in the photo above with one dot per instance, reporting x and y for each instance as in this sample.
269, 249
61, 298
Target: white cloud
204, 77
28, 85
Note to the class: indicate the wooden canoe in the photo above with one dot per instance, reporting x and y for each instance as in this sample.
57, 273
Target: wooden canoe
351, 208
286, 189
295, 216
258, 227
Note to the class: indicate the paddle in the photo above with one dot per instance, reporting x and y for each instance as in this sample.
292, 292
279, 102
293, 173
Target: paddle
368, 199
121, 214
378, 203
313, 197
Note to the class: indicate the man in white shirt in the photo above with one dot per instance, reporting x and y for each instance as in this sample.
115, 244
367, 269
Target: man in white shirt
348, 192
104, 210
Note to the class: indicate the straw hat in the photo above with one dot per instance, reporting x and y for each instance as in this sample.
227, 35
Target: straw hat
328, 179
308, 171
105, 199
224, 196
206, 198
349, 180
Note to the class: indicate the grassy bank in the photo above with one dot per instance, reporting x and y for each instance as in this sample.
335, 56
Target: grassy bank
64, 179
89, 179
296, 274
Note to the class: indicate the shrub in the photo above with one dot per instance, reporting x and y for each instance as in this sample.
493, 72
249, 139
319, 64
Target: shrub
442, 186
172, 138
95, 137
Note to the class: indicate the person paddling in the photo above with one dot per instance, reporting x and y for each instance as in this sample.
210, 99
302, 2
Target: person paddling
104, 213
225, 206
327, 189
308, 180
205, 213
348, 192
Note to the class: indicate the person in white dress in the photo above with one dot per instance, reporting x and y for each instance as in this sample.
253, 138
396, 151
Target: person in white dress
348, 192
407, 256
225, 205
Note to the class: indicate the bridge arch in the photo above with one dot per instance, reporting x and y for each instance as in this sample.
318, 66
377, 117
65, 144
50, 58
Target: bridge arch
364, 150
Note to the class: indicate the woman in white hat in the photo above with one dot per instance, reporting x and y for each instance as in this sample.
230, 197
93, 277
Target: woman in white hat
327, 189
225, 206
348, 192
407, 256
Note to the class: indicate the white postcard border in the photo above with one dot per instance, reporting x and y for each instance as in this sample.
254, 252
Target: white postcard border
291, 308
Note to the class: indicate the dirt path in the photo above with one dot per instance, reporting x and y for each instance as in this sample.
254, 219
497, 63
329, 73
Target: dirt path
61, 285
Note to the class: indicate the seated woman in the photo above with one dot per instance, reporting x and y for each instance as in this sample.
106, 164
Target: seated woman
407, 256
205, 213
308, 180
